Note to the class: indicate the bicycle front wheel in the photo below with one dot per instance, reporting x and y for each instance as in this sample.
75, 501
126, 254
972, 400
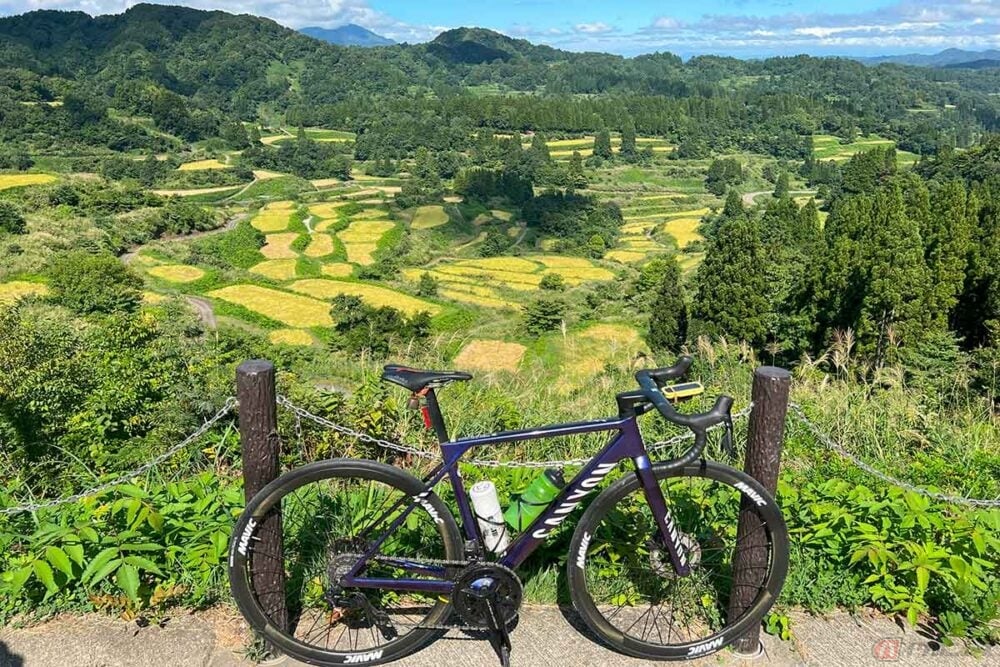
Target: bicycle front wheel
623, 583
329, 514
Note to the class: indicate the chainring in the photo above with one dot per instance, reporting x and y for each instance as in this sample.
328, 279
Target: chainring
499, 580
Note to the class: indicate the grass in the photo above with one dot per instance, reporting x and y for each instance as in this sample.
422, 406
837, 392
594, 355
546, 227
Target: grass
20, 180
374, 295
829, 147
279, 246
428, 217
685, 230
15, 289
202, 165
457, 292
338, 270
177, 273
274, 217
490, 355
290, 337
320, 246
291, 309
276, 269
585, 353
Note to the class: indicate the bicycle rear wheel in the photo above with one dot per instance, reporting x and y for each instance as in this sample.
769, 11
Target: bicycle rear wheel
622, 581
329, 513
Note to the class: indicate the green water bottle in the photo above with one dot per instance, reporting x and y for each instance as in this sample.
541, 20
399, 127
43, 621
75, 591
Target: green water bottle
542, 490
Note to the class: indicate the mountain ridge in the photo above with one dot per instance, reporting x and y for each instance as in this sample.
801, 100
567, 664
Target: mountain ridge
350, 34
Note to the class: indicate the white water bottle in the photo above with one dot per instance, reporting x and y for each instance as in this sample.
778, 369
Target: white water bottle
486, 505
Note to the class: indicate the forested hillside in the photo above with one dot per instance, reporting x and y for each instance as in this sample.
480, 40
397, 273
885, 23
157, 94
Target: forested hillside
181, 190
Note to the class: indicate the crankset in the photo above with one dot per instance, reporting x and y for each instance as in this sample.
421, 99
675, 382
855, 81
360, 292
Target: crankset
489, 595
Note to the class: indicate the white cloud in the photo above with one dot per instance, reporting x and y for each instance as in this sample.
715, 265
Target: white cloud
665, 23
598, 28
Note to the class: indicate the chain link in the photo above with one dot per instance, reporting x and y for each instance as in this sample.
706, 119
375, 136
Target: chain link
302, 413
226, 408
831, 444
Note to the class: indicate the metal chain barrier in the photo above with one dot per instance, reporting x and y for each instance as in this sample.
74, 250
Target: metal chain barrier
836, 447
226, 408
302, 413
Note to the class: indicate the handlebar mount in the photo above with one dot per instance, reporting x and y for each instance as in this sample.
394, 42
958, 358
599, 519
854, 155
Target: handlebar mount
650, 382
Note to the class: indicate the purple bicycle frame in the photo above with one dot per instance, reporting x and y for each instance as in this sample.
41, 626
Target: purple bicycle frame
627, 444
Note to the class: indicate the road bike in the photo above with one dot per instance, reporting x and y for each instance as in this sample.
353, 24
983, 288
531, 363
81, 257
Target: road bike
373, 565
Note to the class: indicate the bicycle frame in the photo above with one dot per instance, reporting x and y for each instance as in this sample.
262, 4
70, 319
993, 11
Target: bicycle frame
627, 444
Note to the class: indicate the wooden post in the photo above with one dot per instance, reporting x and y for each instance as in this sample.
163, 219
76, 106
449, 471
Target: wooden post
261, 447
766, 434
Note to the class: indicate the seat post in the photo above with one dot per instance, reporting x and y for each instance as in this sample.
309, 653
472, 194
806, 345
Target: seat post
434, 411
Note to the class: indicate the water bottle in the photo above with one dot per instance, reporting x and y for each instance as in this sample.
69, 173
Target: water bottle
486, 505
542, 490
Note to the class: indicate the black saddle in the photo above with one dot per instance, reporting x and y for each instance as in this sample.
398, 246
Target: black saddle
415, 379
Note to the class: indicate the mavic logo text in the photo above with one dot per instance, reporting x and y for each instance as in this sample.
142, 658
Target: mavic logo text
426, 504
705, 647
359, 658
753, 495
581, 555
245, 537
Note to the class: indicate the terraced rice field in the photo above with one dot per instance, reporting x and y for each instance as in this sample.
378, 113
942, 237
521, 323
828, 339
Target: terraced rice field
20, 180
480, 281
829, 147
177, 273
338, 270
490, 355
293, 310
290, 337
685, 230
374, 295
502, 215
15, 289
276, 269
202, 165
327, 209
361, 239
625, 256
198, 191
428, 217
279, 246
320, 246
274, 217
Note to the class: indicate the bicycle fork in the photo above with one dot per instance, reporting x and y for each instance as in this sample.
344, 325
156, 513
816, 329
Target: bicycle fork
669, 533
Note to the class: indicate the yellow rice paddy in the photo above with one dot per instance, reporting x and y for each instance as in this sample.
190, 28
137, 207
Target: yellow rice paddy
202, 165
177, 273
625, 256
374, 295
291, 309
274, 217
361, 231
15, 289
320, 246
279, 246
502, 215
327, 209
685, 230
338, 270
21, 180
490, 355
427, 217
290, 337
276, 269
361, 253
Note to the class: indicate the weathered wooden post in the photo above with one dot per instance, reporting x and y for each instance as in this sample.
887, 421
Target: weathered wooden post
765, 436
261, 445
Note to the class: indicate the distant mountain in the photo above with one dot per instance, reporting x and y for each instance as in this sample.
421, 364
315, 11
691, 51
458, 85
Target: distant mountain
473, 46
946, 58
985, 63
348, 35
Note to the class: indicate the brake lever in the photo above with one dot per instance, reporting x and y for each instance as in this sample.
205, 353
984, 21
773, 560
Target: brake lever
727, 438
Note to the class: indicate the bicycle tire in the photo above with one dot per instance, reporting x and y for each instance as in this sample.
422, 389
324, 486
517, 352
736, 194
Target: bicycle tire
268, 497
621, 641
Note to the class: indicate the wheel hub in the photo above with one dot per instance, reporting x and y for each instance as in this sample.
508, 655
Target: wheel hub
659, 558
478, 585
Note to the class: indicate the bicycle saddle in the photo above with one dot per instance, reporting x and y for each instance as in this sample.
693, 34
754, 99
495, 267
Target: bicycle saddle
415, 379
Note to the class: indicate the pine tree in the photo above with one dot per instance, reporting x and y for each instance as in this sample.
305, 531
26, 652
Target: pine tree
628, 150
732, 285
602, 145
577, 177
781, 187
733, 208
947, 238
667, 329
892, 308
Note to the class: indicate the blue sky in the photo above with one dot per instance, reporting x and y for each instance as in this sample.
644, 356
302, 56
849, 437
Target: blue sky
736, 27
